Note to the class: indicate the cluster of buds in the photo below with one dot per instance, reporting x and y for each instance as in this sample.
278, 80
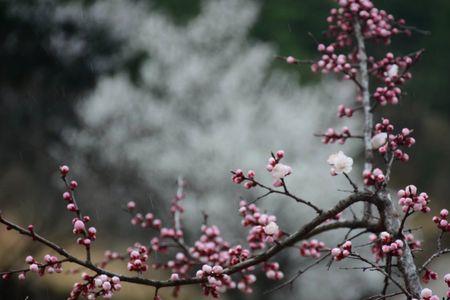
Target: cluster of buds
429, 275
238, 254
238, 177
88, 235
311, 248
179, 266
345, 111
389, 246
342, 252
272, 270
244, 284
277, 169
94, 287
68, 194
427, 294
414, 245
51, 265
384, 139
332, 62
331, 136
388, 70
171, 233
158, 246
441, 220
384, 244
217, 282
374, 178
138, 258
110, 256
176, 206
211, 247
409, 198
375, 23
147, 221
263, 226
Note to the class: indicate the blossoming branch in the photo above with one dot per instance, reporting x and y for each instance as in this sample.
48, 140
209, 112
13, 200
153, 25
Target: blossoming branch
218, 265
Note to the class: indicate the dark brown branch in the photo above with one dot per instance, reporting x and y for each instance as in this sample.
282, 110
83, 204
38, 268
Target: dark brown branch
347, 137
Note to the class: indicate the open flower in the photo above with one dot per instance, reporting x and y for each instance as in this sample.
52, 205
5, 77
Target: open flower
340, 163
271, 229
392, 71
379, 140
280, 171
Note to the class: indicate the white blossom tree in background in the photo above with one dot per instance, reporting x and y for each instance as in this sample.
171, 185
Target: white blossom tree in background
207, 99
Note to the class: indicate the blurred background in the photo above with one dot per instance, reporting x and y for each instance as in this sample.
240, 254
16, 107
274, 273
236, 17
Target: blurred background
132, 94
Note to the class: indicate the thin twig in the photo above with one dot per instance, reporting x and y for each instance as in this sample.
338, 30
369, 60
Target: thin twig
79, 215
297, 275
357, 256
284, 192
355, 187
380, 297
432, 257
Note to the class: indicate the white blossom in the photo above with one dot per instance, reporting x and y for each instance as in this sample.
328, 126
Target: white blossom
271, 228
379, 140
340, 163
392, 71
280, 171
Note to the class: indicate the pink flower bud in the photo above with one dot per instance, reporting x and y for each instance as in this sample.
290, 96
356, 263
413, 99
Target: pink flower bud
335, 252
34, 268
64, 170
71, 207
92, 231
131, 205
134, 254
280, 154
291, 60
78, 226
217, 269
115, 280
206, 269
67, 196
385, 248
106, 285
426, 293
73, 184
